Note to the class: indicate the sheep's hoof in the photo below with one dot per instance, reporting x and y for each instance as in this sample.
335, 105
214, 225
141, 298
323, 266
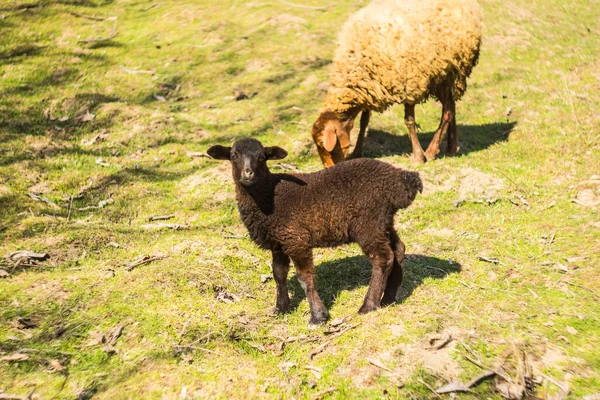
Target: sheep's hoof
430, 156
319, 318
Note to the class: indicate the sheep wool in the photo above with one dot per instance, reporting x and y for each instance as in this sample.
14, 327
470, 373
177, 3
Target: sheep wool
401, 51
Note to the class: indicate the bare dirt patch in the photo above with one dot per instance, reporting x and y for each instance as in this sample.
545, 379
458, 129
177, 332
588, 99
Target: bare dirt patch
53, 290
478, 183
221, 175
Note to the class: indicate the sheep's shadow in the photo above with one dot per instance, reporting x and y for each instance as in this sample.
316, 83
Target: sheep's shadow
336, 276
471, 138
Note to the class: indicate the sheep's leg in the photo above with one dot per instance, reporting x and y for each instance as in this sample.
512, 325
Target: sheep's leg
305, 272
382, 258
418, 156
448, 108
452, 147
281, 266
364, 122
395, 279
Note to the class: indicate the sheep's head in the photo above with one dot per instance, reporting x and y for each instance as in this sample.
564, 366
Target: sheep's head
248, 159
331, 133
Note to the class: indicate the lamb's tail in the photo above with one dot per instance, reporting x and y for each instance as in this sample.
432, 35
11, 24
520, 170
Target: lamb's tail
413, 183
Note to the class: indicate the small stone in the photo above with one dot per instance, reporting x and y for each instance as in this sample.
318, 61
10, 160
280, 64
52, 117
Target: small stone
572, 330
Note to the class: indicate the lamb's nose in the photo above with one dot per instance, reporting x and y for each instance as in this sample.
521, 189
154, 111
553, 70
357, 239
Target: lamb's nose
248, 173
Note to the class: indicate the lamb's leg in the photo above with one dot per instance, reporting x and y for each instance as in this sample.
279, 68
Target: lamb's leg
395, 279
418, 156
452, 147
281, 266
305, 270
364, 122
382, 258
447, 117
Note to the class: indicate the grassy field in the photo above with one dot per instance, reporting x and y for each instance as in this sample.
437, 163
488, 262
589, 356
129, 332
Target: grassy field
503, 265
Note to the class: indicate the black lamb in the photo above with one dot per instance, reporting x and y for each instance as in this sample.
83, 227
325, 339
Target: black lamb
290, 214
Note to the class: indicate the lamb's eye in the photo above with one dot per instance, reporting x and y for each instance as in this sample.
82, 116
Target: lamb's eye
233, 157
262, 158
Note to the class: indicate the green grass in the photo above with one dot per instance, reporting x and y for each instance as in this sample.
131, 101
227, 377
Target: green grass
540, 59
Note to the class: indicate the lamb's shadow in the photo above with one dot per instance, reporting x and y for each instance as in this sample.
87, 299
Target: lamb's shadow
336, 276
471, 138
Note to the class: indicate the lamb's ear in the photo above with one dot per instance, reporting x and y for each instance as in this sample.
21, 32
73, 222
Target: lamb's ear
329, 136
275, 153
219, 152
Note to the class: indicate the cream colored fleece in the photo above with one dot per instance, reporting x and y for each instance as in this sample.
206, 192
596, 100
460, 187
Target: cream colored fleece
403, 51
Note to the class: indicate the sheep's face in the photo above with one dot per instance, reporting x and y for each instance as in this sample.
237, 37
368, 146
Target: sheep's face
248, 159
332, 137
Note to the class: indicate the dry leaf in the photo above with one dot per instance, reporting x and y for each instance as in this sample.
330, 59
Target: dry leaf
316, 371
226, 297
113, 335
97, 338
56, 365
4, 274
88, 116
99, 161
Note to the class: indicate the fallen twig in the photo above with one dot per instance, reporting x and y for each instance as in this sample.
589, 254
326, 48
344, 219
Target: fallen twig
26, 258
452, 387
161, 217
92, 17
551, 380
583, 287
186, 346
322, 347
480, 365
480, 378
492, 260
134, 71
378, 364
44, 200
176, 227
7, 396
143, 260
323, 393
430, 388
150, 7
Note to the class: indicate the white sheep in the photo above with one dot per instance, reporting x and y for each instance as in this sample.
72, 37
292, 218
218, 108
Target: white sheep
399, 52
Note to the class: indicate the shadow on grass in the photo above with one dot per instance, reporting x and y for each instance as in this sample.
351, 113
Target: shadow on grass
349, 273
471, 138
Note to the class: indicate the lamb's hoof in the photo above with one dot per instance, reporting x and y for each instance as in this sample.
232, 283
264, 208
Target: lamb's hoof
319, 318
280, 310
